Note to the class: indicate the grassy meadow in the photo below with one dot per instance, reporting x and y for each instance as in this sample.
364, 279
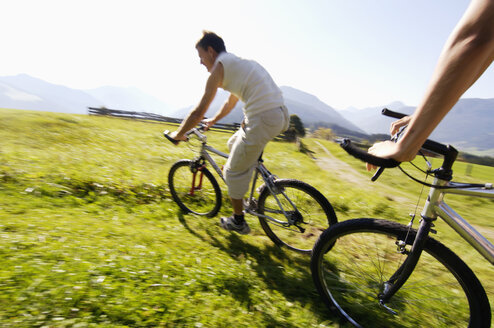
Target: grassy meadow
90, 237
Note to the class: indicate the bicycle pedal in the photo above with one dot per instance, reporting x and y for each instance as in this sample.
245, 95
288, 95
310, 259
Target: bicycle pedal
251, 205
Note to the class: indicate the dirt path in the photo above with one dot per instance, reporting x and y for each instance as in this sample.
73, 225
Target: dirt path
343, 170
347, 173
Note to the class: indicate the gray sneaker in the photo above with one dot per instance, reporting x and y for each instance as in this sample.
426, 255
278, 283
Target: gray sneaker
230, 225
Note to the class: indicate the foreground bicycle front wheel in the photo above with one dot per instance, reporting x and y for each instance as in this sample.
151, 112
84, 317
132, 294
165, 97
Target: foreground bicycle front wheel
308, 210
442, 291
194, 189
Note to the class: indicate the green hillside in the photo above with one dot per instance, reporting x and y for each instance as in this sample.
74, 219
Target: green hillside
91, 238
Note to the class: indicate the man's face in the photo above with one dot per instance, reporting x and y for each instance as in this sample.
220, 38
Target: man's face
207, 57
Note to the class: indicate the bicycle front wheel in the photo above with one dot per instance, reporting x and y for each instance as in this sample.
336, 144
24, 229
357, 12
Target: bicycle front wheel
303, 215
442, 291
194, 189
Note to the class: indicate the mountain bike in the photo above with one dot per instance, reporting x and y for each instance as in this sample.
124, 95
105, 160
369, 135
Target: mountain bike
380, 273
292, 213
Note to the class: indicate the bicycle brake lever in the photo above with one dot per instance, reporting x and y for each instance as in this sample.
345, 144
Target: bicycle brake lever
377, 174
397, 136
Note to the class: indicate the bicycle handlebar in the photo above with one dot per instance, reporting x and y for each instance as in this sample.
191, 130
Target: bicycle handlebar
364, 156
173, 141
196, 131
390, 113
429, 145
449, 152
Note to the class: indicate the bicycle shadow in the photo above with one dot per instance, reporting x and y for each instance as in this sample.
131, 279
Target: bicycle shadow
270, 264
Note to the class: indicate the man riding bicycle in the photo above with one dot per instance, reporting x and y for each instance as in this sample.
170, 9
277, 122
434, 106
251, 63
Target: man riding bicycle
265, 117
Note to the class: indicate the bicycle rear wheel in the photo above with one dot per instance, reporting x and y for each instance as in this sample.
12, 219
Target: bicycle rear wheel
312, 214
194, 188
442, 291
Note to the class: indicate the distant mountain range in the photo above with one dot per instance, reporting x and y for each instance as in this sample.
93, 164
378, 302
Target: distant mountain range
26, 92
308, 107
469, 126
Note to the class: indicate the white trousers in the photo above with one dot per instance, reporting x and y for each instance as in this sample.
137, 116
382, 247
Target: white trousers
246, 145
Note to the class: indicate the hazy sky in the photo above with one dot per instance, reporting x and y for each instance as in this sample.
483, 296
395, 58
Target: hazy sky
347, 52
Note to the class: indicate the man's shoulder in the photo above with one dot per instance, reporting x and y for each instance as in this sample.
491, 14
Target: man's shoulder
227, 56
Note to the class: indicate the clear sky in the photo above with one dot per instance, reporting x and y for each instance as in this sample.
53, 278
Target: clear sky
347, 52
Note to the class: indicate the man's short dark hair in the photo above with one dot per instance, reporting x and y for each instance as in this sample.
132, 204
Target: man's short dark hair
210, 39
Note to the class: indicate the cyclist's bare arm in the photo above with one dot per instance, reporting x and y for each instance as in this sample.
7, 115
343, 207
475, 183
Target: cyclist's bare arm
225, 110
466, 55
215, 81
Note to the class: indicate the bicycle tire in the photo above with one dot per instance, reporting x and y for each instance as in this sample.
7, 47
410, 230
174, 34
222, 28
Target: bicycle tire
205, 201
316, 214
442, 291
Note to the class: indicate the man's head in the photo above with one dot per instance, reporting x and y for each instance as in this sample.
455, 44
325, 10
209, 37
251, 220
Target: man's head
209, 47
210, 39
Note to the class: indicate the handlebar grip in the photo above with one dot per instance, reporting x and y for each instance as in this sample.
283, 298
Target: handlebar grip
165, 133
366, 157
390, 113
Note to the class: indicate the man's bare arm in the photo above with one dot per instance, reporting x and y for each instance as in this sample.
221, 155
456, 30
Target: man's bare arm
466, 55
224, 111
215, 81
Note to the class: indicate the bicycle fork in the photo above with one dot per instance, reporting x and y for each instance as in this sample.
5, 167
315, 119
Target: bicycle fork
399, 278
195, 187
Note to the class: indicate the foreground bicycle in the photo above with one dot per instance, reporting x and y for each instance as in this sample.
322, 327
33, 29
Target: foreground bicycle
381, 273
291, 212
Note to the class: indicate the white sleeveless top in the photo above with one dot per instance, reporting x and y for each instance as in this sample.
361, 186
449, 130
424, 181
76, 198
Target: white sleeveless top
250, 82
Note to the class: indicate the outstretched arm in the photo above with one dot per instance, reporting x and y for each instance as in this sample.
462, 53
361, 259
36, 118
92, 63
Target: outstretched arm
224, 110
215, 80
466, 55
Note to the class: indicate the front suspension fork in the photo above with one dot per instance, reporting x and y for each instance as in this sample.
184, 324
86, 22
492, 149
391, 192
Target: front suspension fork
195, 170
399, 278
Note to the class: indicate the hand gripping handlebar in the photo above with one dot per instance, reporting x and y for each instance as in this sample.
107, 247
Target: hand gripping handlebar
368, 158
364, 156
201, 127
167, 136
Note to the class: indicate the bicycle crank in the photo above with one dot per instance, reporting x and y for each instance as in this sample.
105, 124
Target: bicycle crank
295, 218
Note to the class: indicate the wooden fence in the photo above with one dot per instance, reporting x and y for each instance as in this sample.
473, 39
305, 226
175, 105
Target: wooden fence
151, 117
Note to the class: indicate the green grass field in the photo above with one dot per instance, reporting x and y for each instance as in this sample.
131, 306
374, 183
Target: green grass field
91, 238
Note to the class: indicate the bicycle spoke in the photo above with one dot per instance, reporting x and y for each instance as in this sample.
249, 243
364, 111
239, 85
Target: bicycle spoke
350, 277
194, 191
302, 211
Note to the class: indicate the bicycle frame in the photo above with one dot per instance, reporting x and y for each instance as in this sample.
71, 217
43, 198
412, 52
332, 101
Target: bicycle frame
435, 206
261, 170
204, 153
